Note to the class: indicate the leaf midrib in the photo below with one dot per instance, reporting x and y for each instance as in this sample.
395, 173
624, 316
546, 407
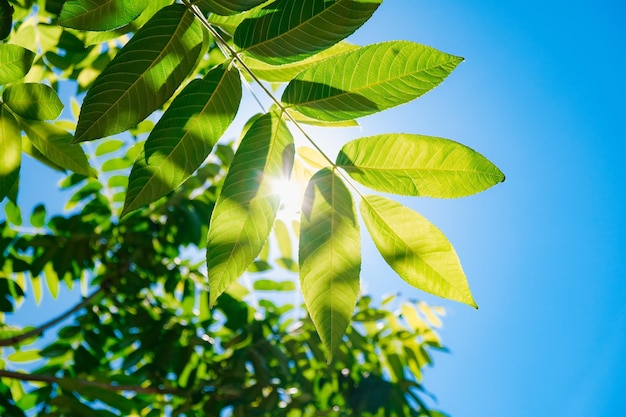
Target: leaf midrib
369, 86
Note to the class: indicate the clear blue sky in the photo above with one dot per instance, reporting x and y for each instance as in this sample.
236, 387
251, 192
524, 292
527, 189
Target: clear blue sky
541, 94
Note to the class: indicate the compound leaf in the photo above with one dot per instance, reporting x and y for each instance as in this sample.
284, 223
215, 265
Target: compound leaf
329, 256
184, 137
143, 75
246, 208
368, 80
417, 250
417, 165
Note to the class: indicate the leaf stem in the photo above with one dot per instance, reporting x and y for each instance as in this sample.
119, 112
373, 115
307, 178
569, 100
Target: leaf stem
14, 340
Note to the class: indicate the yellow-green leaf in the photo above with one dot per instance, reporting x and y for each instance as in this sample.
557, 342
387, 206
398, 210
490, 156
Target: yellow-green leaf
10, 151
33, 101
368, 80
417, 250
329, 256
15, 62
418, 165
246, 208
100, 15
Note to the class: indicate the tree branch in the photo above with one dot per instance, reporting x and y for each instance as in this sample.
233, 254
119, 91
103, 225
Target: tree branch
14, 340
21, 376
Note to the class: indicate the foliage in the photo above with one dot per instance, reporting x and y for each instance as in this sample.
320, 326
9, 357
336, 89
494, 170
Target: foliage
183, 65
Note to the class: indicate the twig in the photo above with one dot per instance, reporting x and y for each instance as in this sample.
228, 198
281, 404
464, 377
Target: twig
21, 376
14, 340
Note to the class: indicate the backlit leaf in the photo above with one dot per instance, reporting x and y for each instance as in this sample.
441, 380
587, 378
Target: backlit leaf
24, 356
183, 138
56, 145
10, 151
418, 165
285, 72
329, 256
143, 75
368, 80
415, 249
15, 62
100, 15
33, 101
291, 30
246, 208
228, 7
109, 146
38, 216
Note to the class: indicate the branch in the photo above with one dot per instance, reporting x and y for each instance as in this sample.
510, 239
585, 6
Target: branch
21, 376
14, 340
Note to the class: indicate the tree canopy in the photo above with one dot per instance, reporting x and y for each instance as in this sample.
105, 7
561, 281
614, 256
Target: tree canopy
166, 213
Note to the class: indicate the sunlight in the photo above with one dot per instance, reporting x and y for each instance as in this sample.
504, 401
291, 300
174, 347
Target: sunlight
291, 193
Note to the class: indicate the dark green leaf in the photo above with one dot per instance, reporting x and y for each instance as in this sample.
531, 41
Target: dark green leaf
6, 18
291, 30
143, 75
184, 137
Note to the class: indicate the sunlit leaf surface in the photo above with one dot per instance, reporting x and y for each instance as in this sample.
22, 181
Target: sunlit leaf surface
10, 151
100, 14
15, 62
246, 208
329, 256
368, 80
417, 250
418, 165
33, 101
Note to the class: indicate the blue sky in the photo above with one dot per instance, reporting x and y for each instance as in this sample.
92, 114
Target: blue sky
541, 95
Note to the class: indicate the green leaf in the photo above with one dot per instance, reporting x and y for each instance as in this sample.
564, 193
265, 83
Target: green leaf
38, 217
286, 72
291, 30
415, 249
373, 78
246, 208
55, 349
184, 137
143, 75
24, 356
33, 101
15, 62
417, 165
329, 256
56, 145
228, 7
109, 146
271, 285
10, 151
6, 19
100, 15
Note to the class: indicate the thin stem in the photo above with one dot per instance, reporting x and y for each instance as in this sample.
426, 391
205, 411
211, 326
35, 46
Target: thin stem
234, 55
21, 376
14, 340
